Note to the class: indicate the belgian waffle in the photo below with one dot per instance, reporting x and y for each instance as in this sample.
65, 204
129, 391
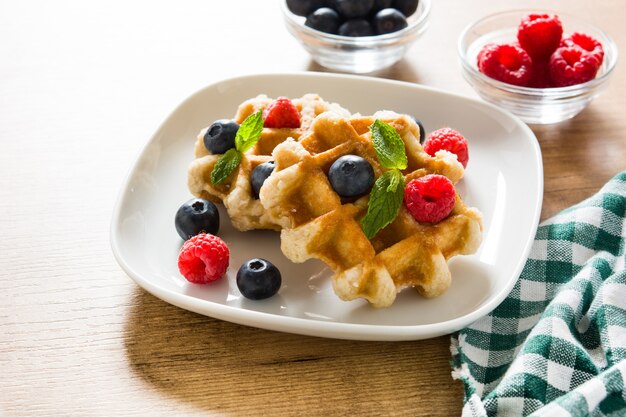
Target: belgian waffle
244, 210
318, 224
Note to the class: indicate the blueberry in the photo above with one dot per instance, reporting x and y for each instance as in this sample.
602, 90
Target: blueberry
324, 19
304, 7
351, 176
220, 136
259, 175
356, 27
381, 4
389, 20
195, 216
422, 130
351, 9
258, 279
406, 7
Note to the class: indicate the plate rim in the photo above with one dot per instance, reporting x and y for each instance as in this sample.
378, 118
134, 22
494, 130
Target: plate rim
310, 327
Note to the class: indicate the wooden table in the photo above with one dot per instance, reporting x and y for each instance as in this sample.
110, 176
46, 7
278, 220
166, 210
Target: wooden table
82, 87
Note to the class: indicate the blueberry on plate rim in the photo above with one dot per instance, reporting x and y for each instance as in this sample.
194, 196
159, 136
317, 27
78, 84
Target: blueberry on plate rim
220, 136
195, 216
258, 279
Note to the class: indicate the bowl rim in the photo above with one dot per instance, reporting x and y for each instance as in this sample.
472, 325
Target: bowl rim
413, 27
610, 52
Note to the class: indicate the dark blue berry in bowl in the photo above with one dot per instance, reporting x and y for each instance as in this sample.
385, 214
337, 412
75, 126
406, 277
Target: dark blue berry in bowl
381, 4
258, 279
389, 21
352, 9
406, 7
356, 27
324, 19
259, 175
351, 176
220, 136
196, 216
304, 7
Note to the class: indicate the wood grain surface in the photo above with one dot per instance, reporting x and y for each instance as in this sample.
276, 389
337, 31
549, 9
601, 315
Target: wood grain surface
83, 85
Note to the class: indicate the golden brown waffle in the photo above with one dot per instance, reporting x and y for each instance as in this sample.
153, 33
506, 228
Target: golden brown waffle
317, 224
244, 210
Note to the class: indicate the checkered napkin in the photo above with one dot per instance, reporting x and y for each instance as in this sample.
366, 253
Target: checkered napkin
556, 346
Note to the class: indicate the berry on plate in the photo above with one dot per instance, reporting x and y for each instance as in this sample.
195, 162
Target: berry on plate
539, 35
220, 136
281, 113
570, 65
203, 258
259, 175
450, 140
505, 62
351, 175
196, 216
586, 42
430, 198
258, 279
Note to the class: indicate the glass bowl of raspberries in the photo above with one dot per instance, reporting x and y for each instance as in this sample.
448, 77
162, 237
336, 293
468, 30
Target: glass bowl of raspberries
544, 67
356, 36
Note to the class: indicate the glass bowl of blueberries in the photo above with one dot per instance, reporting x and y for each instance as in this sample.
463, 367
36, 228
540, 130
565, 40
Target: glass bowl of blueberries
356, 36
544, 67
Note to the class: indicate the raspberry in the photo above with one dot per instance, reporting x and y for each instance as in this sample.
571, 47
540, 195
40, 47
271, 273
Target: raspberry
570, 65
540, 35
540, 75
507, 63
430, 198
203, 258
586, 42
281, 113
449, 140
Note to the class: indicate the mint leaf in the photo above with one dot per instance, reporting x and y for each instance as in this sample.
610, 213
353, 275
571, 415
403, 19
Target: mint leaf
225, 166
249, 132
385, 201
388, 145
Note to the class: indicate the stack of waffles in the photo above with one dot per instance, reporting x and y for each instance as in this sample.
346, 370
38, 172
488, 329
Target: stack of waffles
315, 222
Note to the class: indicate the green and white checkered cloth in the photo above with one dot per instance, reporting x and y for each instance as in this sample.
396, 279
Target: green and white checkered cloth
556, 346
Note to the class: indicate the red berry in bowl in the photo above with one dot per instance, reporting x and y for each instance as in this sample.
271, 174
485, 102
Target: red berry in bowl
540, 75
449, 140
586, 42
540, 34
203, 258
505, 62
571, 65
281, 113
430, 198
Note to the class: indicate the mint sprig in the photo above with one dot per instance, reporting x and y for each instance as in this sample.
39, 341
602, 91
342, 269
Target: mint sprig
388, 190
388, 145
247, 136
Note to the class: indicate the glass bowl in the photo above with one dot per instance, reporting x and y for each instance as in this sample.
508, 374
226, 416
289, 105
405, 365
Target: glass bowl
532, 105
357, 54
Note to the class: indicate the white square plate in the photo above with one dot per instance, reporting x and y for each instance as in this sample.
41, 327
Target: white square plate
504, 180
